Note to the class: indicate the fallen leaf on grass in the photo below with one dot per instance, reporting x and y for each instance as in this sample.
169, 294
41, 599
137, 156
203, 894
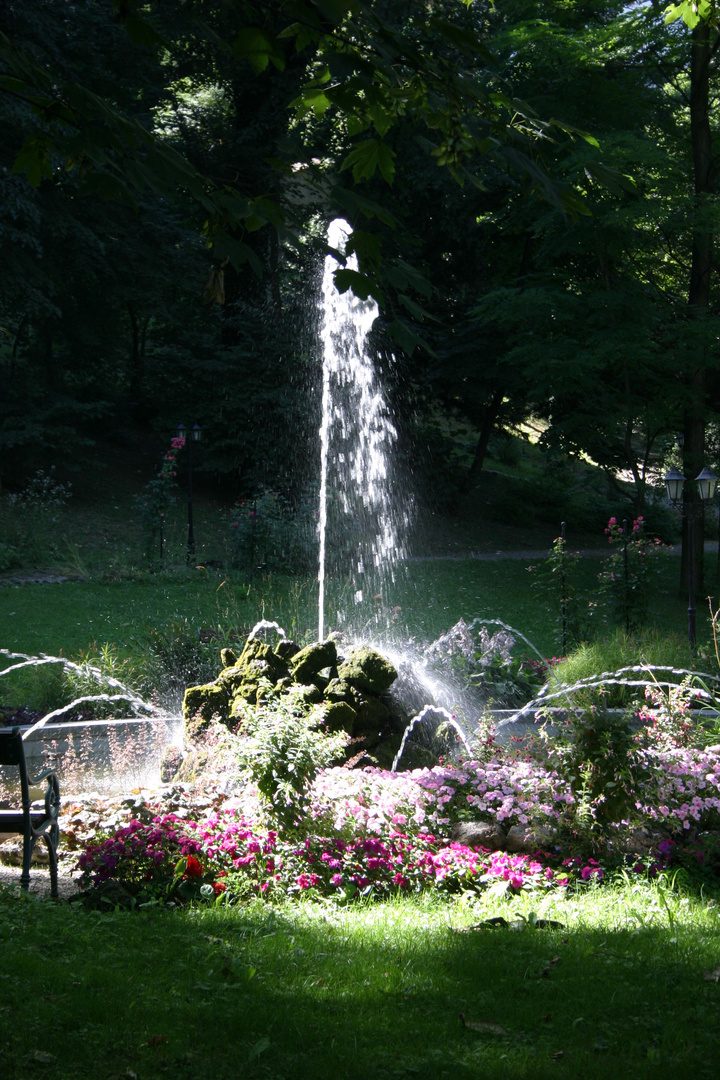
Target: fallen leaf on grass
712, 976
517, 924
488, 1026
156, 1040
545, 973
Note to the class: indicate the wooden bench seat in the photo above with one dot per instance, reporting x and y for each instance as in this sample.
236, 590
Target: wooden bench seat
30, 821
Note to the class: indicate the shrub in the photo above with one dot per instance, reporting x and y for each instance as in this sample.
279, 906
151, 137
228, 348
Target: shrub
628, 575
269, 533
163, 859
485, 661
597, 754
29, 520
283, 749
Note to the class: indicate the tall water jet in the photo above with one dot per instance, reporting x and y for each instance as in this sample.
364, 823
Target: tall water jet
357, 437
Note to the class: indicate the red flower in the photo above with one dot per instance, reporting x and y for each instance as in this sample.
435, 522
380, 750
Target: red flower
194, 867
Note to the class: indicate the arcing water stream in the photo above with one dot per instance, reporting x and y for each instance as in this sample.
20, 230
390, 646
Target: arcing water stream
115, 752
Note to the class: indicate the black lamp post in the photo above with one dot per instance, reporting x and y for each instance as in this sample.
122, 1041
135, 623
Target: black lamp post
706, 484
195, 434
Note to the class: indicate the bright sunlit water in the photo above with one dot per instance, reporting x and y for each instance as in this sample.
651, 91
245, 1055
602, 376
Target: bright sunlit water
357, 437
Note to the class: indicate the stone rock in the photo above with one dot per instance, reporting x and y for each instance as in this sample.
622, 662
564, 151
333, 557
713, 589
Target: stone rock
313, 659
205, 701
338, 716
528, 839
11, 852
344, 689
257, 660
414, 755
643, 841
486, 834
310, 694
286, 649
368, 671
170, 762
340, 690
372, 714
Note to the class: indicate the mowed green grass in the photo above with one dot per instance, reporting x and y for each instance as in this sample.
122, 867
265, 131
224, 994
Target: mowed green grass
408, 988
426, 598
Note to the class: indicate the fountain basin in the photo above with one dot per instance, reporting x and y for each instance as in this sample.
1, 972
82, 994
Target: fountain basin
104, 755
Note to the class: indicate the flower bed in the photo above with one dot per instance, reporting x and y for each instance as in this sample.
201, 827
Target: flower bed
172, 858
506, 789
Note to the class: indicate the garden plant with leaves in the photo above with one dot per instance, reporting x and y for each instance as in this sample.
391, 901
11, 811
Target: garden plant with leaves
283, 746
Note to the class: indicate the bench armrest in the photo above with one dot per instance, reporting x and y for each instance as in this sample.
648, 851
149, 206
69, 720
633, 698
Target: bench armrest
33, 781
52, 792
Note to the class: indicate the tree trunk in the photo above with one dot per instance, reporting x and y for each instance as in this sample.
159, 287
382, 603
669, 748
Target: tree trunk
698, 293
491, 414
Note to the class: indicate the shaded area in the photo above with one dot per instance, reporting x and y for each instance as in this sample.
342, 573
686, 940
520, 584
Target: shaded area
313, 992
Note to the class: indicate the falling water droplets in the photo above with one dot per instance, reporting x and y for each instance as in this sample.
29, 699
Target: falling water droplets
357, 439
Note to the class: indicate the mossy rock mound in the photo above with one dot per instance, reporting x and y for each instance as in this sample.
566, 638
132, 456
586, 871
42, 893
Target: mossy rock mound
205, 702
368, 671
307, 664
338, 716
344, 692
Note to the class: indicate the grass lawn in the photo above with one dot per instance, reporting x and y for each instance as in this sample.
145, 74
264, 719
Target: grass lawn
376, 990
425, 600
411, 987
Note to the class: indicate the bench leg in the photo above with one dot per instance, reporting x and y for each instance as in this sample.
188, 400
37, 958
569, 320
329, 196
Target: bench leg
27, 856
52, 842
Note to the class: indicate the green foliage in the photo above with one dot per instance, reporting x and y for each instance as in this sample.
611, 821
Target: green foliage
29, 521
485, 661
283, 749
555, 581
629, 576
174, 655
612, 653
271, 534
156, 498
596, 752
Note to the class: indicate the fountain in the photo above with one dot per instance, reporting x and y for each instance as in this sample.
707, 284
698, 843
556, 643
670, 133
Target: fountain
113, 753
358, 518
363, 517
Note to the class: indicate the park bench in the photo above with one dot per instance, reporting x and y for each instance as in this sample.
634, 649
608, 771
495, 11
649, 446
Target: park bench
31, 821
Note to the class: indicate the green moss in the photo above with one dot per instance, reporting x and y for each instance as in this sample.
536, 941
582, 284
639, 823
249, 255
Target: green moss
338, 716
372, 714
205, 701
313, 659
368, 671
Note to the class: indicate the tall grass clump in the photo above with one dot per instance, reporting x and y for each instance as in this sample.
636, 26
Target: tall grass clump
611, 653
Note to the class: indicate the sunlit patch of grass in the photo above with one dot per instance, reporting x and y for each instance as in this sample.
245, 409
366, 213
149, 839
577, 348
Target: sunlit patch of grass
617, 988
